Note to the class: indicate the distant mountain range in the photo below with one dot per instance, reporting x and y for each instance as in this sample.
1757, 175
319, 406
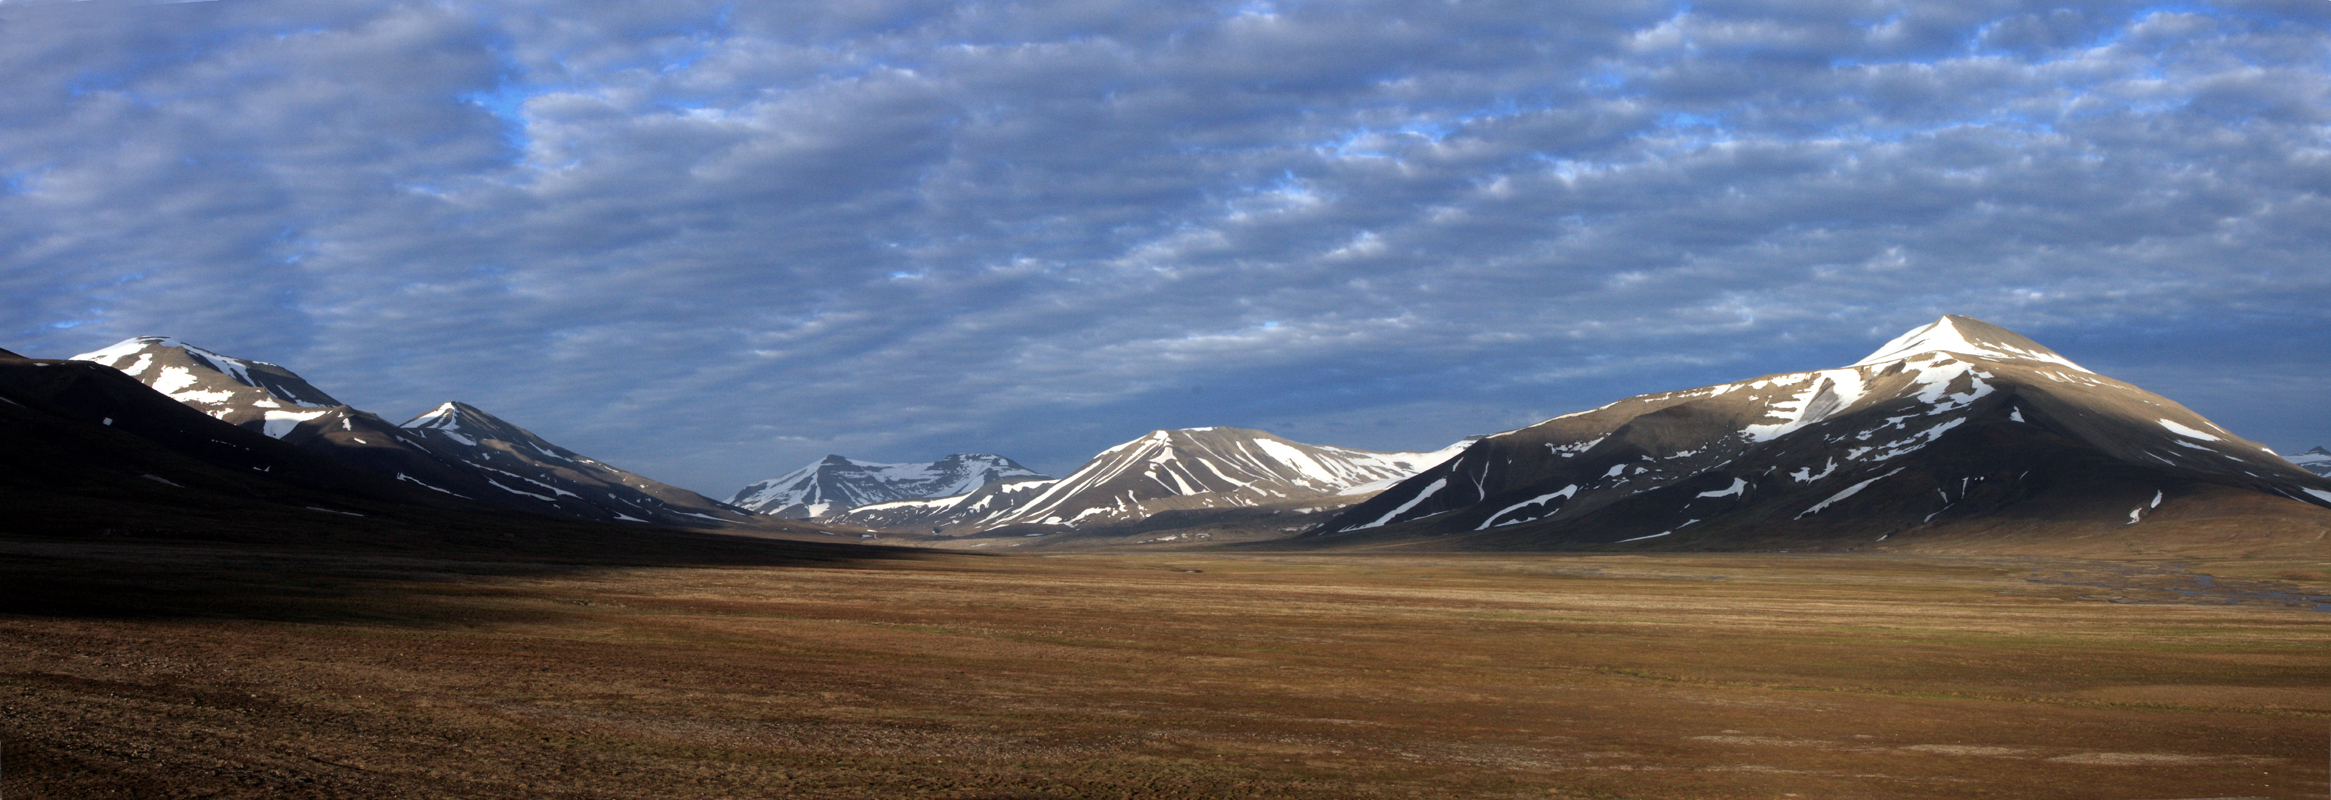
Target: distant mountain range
454, 449
2317, 461
836, 484
1188, 470
1959, 426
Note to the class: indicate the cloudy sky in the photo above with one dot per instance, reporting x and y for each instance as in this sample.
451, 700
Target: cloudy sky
711, 242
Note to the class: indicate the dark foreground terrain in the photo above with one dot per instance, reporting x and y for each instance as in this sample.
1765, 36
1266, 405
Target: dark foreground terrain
146, 670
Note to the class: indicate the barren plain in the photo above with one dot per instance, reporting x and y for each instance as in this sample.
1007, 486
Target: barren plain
150, 670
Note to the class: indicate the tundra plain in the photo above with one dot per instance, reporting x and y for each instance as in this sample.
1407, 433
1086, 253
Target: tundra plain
150, 669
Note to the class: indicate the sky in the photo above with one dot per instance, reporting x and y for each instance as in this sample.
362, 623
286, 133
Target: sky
712, 242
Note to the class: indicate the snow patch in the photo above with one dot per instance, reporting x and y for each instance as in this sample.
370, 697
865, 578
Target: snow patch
1739, 485
1404, 507
2188, 432
1805, 474
1849, 492
172, 379
1574, 448
125, 348
1641, 538
281, 423
404, 477
1567, 492
1826, 393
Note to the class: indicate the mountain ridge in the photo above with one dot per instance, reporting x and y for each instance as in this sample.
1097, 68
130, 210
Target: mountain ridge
271, 400
837, 484
1191, 470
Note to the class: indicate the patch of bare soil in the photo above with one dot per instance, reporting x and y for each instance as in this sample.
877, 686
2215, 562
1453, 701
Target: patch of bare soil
264, 675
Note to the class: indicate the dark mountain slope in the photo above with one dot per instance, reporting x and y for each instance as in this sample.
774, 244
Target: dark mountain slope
516, 462
70, 423
88, 454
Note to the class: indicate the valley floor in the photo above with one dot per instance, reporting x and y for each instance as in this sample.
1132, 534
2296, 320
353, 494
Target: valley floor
144, 671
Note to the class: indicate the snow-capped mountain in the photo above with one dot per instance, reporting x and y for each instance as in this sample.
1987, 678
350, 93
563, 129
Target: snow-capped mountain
502, 469
1168, 470
86, 441
2317, 461
939, 514
266, 398
249, 394
836, 484
1958, 420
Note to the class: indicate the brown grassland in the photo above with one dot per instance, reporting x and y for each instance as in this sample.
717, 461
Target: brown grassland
149, 670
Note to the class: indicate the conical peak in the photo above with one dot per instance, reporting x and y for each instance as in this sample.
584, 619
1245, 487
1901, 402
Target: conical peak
1966, 336
454, 415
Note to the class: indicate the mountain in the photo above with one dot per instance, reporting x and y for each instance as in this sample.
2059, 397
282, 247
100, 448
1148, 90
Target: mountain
1168, 470
836, 484
255, 395
2317, 461
509, 467
88, 453
80, 439
1958, 428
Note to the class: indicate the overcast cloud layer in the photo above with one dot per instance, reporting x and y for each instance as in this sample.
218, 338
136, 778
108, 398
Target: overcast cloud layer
712, 242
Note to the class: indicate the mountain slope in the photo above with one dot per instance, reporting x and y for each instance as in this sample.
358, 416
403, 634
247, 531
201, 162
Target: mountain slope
74, 429
268, 399
836, 484
517, 462
1955, 423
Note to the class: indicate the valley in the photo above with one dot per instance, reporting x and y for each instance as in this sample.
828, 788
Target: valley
1964, 566
146, 669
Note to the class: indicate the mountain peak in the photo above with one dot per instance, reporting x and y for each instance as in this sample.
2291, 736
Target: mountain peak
1966, 336
467, 424
250, 394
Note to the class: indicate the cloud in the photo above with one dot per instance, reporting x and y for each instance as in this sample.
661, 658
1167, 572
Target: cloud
712, 242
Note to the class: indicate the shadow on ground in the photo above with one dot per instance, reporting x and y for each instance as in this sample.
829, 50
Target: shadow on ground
76, 556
